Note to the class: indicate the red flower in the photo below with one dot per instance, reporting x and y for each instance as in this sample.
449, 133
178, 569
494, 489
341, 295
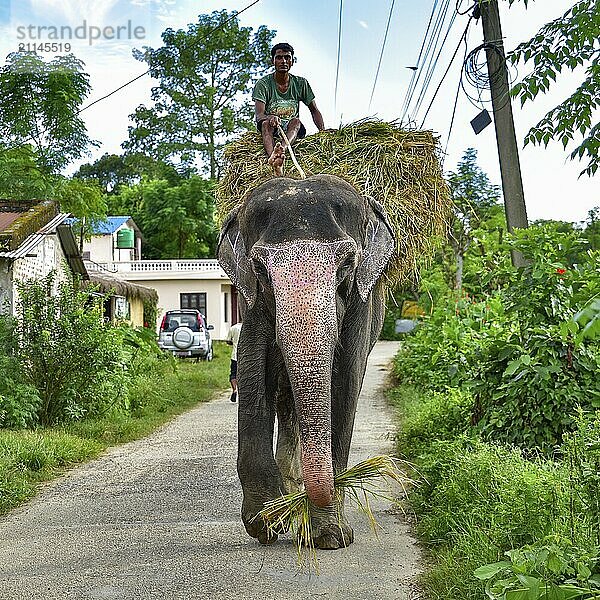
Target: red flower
561, 271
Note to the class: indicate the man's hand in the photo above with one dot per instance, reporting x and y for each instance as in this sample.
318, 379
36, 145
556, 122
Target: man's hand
273, 121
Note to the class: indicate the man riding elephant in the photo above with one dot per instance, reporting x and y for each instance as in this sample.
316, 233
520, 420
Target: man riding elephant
277, 99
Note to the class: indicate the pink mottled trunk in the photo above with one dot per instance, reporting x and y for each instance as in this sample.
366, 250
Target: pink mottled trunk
303, 279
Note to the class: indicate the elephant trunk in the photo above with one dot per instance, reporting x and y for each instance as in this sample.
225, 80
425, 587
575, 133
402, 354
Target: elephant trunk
306, 322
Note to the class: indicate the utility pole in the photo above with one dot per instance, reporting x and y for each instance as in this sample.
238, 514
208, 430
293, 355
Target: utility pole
508, 152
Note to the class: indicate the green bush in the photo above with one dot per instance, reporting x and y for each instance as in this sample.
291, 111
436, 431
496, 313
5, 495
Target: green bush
66, 351
521, 350
472, 484
19, 402
430, 417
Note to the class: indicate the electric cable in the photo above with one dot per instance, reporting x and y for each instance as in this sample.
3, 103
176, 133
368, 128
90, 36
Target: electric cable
428, 64
387, 28
475, 73
431, 45
447, 70
337, 68
60, 122
455, 102
432, 68
418, 63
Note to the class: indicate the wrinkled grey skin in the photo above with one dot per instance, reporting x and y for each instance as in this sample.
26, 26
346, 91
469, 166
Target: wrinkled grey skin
307, 257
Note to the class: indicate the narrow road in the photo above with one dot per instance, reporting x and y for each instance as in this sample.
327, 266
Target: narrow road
159, 518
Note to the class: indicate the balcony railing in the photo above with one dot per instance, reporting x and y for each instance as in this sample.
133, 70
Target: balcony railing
209, 265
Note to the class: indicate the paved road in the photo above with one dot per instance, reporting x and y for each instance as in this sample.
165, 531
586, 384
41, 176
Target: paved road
159, 519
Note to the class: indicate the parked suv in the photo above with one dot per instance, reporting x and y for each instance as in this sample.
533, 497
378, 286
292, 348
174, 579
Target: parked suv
185, 333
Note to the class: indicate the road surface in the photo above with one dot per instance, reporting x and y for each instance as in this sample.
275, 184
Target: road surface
159, 519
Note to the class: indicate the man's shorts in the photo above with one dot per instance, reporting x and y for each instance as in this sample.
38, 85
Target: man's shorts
301, 131
233, 370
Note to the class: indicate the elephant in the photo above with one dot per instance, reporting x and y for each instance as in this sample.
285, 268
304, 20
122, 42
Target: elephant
307, 257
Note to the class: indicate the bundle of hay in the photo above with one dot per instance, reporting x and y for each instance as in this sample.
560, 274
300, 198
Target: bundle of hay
399, 168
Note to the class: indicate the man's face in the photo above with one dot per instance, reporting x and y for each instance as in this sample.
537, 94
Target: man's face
283, 60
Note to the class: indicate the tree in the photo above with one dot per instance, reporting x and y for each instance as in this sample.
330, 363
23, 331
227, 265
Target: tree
39, 103
112, 171
204, 74
474, 199
568, 42
177, 220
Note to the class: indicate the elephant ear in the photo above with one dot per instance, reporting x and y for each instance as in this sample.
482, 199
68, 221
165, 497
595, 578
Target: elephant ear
233, 259
378, 247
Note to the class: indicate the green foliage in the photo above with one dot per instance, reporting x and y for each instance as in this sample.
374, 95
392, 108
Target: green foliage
474, 198
39, 103
552, 569
522, 350
205, 76
570, 42
21, 176
477, 501
112, 172
529, 379
66, 351
177, 220
436, 415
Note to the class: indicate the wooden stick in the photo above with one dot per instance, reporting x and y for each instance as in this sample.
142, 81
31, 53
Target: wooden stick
282, 134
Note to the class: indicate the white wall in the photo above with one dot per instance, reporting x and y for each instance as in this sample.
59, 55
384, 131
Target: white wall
103, 248
48, 255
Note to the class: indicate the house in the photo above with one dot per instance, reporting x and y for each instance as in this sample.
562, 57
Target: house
114, 239
35, 239
179, 283
125, 301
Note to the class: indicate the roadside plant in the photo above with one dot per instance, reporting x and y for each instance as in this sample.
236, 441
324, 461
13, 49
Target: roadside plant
552, 569
66, 351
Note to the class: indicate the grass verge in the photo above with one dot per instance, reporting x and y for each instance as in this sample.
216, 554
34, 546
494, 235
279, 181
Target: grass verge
28, 458
479, 500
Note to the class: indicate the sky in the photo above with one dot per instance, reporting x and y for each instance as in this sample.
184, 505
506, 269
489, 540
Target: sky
553, 188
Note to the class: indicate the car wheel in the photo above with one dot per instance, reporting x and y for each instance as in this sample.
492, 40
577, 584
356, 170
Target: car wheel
209, 355
183, 338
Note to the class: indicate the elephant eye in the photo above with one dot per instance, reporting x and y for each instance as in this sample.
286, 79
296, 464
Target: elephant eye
260, 270
345, 269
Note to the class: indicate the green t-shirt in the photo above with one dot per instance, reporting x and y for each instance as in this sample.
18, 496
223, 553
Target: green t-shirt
285, 106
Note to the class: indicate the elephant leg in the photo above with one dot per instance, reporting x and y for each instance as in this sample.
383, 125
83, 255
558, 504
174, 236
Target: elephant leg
257, 382
287, 454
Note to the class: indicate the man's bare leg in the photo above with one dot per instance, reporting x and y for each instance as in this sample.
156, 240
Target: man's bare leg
276, 159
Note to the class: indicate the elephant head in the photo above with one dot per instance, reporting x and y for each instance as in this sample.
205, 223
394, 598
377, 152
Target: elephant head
304, 252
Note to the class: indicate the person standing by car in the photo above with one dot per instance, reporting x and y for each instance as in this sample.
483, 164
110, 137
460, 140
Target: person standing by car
233, 338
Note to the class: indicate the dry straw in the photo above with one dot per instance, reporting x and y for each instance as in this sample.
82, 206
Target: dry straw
399, 168
292, 511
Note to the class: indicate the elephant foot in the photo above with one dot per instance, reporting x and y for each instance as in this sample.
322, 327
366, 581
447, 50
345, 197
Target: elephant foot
330, 530
254, 523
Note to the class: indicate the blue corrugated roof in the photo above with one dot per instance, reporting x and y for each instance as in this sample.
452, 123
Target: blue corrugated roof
108, 226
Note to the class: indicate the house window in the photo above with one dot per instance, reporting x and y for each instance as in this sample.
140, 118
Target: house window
195, 300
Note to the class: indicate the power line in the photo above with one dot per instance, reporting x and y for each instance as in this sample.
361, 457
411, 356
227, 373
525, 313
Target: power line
382, 49
60, 122
455, 100
418, 63
463, 36
433, 66
429, 53
337, 68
